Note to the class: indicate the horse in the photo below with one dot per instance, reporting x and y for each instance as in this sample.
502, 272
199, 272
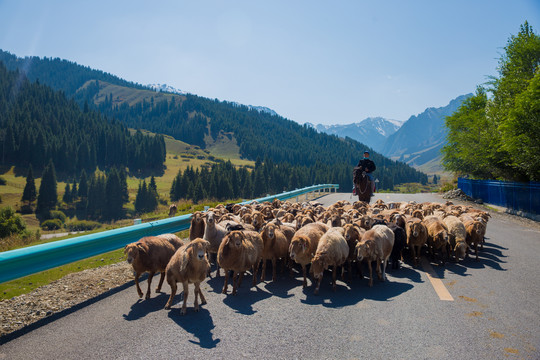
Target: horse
362, 185
172, 210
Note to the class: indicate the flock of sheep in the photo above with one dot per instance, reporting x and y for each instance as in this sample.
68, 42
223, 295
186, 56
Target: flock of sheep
241, 237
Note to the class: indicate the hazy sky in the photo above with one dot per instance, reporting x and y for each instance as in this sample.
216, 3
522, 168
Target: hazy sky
311, 61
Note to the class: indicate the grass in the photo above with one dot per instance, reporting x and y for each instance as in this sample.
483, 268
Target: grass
28, 283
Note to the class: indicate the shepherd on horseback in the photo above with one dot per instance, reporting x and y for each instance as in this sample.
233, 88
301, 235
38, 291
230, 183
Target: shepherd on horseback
363, 178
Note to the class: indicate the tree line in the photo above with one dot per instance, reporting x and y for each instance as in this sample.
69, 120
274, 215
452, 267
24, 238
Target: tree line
39, 124
495, 134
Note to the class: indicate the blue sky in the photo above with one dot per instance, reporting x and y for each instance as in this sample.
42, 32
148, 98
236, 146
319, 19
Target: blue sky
323, 62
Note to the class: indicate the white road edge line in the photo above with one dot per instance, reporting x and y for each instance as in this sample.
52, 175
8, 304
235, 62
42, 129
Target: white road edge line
436, 282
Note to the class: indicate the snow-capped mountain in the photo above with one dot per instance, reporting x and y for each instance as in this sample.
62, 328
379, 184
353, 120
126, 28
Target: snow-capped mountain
165, 88
258, 108
372, 131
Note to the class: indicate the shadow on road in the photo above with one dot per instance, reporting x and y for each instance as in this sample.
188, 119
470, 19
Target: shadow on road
353, 294
144, 307
200, 324
243, 302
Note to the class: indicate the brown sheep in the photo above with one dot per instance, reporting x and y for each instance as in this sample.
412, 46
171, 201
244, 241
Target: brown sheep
150, 254
437, 236
188, 265
353, 234
332, 250
475, 234
172, 210
240, 251
457, 236
304, 244
376, 245
276, 246
196, 230
257, 220
416, 237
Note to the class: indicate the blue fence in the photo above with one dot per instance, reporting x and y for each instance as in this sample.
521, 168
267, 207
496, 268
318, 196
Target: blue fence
21, 262
517, 196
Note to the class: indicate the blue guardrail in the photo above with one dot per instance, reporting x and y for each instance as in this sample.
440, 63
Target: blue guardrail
21, 262
517, 196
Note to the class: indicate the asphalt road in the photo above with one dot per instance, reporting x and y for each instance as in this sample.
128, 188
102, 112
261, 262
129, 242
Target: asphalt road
494, 314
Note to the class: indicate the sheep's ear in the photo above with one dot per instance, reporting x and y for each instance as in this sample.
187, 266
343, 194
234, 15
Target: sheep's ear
141, 248
185, 259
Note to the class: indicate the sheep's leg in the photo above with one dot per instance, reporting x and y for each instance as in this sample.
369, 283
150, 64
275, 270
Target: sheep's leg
150, 276
370, 273
226, 283
317, 285
359, 268
385, 262
255, 271
305, 278
238, 281
414, 252
203, 299
139, 291
158, 289
334, 275
476, 250
378, 269
274, 270
186, 293
263, 271
197, 293
173, 293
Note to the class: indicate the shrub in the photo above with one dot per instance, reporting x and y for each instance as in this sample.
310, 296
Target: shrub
82, 225
56, 214
10, 222
51, 224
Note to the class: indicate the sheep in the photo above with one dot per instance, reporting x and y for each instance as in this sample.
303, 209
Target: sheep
173, 239
416, 237
353, 234
400, 240
196, 230
189, 264
475, 234
457, 236
376, 245
276, 245
214, 234
332, 250
150, 254
304, 244
172, 210
257, 220
437, 236
240, 251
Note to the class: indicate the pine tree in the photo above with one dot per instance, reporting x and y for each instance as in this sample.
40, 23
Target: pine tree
114, 198
29, 192
47, 197
67, 194
83, 185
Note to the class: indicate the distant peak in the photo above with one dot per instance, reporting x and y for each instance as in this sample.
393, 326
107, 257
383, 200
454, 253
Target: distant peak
165, 88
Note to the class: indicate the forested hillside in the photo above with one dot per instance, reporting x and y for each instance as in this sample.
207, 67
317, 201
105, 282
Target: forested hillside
39, 124
198, 121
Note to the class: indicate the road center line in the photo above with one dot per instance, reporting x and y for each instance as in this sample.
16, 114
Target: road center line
436, 282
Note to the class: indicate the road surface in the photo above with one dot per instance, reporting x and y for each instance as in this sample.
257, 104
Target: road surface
492, 312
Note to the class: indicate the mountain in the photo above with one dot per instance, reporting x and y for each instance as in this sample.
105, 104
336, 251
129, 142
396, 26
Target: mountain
421, 137
259, 135
257, 108
165, 88
372, 131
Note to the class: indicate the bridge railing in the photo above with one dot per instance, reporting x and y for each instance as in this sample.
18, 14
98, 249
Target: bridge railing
25, 261
516, 196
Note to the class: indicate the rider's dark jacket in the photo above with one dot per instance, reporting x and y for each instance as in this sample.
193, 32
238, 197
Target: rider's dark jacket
367, 165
